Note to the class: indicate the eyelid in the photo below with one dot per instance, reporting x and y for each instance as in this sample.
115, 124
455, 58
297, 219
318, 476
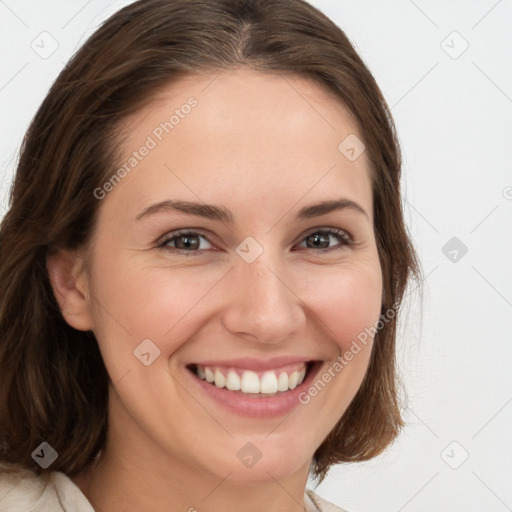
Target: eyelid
182, 231
163, 240
326, 229
347, 239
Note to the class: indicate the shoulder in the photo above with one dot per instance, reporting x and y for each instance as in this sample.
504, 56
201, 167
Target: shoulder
321, 504
22, 489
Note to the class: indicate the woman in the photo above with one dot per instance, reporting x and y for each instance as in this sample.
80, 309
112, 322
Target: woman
201, 267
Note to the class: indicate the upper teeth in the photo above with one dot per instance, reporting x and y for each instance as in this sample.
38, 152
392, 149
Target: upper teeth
270, 381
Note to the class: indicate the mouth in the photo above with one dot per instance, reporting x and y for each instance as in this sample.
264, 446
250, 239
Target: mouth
254, 388
252, 383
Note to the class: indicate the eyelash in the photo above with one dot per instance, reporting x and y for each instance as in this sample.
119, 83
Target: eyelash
345, 240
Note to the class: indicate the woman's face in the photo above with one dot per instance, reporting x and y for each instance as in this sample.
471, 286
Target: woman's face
228, 248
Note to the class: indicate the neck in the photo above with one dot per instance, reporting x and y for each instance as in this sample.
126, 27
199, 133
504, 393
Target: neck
129, 484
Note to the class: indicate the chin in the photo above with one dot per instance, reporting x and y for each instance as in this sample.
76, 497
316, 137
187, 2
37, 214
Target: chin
260, 460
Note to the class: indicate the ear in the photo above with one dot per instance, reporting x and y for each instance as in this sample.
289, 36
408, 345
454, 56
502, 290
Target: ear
70, 287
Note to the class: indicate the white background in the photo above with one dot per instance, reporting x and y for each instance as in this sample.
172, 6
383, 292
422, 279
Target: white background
454, 117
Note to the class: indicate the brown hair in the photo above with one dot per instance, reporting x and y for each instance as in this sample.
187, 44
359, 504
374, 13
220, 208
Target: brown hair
53, 383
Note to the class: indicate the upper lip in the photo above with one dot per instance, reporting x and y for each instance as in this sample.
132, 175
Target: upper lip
257, 364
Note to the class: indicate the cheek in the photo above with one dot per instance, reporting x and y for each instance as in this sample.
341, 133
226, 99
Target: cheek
347, 302
135, 301
138, 304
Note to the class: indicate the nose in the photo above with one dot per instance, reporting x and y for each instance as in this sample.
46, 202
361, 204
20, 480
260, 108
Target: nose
261, 304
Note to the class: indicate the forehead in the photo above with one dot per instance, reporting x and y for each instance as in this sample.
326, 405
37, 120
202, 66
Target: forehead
242, 134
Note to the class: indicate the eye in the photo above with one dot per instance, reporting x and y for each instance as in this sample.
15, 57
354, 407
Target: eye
188, 241
326, 239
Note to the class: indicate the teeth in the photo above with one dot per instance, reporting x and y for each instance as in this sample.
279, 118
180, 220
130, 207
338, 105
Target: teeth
293, 380
220, 380
269, 383
282, 383
209, 375
233, 382
250, 382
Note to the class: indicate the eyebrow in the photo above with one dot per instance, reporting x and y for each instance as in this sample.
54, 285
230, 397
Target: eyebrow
210, 211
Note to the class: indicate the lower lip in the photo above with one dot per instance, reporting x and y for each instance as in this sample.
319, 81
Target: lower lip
254, 407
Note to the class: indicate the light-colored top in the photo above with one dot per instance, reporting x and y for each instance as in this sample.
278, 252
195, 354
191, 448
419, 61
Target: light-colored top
21, 490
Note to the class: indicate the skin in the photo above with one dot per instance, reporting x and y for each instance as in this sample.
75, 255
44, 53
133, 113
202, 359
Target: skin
263, 146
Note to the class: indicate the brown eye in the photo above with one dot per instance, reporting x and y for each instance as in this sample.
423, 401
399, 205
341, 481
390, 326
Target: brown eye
318, 241
326, 239
189, 242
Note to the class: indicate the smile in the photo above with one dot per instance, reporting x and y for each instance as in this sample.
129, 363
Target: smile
249, 382
254, 389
